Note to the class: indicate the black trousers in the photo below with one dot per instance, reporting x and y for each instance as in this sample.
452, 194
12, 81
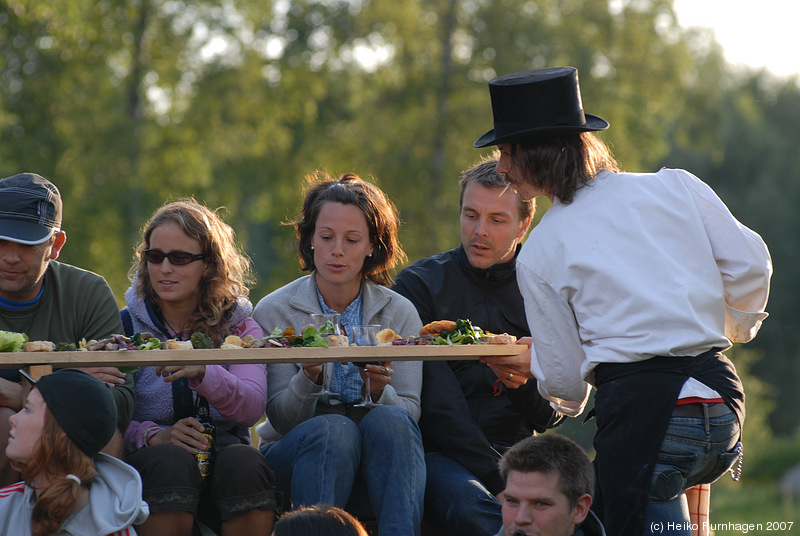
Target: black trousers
241, 482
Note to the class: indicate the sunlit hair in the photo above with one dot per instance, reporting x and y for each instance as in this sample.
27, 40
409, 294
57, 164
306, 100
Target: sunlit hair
559, 165
379, 211
55, 456
318, 520
228, 270
485, 173
552, 454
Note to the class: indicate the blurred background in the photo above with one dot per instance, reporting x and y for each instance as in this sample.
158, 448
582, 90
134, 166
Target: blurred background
128, 104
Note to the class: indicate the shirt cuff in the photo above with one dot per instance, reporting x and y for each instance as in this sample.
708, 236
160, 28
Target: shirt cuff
741, 326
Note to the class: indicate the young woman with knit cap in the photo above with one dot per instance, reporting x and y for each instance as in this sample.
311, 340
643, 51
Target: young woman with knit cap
69, 487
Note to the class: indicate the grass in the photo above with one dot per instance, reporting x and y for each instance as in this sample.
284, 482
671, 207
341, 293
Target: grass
752, 508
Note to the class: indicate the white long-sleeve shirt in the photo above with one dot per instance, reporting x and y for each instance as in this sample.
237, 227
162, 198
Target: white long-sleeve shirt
637, 266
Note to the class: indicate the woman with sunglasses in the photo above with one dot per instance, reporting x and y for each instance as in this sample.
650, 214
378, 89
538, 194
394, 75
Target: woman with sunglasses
189, 277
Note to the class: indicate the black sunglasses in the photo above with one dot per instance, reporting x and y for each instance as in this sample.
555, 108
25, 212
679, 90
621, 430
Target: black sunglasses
176, 258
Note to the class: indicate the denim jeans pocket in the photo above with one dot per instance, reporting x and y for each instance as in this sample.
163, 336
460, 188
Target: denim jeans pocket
725, 461
693, 452
669, 475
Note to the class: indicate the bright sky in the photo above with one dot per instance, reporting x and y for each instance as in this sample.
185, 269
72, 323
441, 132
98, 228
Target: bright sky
757, 34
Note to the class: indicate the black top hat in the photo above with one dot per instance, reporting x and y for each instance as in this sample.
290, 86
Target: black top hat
30, 209
536, 103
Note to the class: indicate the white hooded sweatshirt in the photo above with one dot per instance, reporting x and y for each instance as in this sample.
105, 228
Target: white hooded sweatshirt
115, 504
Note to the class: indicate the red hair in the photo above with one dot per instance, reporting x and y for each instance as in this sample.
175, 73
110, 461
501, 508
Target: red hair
56, 455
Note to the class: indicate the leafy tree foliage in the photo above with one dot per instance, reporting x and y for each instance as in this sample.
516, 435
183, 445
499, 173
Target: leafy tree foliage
129, 104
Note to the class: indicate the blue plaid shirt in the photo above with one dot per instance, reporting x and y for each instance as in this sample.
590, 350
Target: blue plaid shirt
346, 379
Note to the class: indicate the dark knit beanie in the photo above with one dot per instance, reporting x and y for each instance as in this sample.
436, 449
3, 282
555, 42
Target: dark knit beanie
83, 407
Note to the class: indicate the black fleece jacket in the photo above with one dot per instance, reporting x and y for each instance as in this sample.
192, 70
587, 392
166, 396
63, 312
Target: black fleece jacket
466, 412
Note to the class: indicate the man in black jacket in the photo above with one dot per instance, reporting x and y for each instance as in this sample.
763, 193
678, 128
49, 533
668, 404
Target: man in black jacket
471, 413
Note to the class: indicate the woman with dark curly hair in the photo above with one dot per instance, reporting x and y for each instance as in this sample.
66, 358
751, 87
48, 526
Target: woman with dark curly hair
189, 277
326, 449
69, 486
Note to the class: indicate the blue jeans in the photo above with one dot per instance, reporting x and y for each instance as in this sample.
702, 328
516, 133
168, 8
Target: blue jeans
376, 466
457, 500
694, 451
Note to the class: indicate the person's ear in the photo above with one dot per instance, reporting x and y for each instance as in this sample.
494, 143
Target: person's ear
523, 227
58, 243
581, 509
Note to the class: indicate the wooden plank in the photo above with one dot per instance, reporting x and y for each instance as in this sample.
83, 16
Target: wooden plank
258, 355
37, 371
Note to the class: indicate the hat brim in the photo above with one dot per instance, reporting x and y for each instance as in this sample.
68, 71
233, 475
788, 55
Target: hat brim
593, 124
24, 232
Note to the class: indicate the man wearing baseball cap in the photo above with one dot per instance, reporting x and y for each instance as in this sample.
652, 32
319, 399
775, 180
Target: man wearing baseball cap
45, 299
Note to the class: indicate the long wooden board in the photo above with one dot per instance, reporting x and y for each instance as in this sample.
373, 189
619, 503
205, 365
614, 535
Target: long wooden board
260, 355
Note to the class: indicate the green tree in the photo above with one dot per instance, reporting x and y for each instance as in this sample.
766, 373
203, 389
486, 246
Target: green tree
128, 104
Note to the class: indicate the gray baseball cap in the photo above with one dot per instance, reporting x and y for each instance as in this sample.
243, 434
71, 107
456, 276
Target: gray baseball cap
30, 209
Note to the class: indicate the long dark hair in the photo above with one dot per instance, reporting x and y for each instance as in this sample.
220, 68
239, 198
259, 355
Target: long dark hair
559, 165
379, 211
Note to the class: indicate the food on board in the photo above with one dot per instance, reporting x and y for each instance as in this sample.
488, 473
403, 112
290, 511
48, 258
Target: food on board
233, 342
436, 327
338, 340
201, 341
310, 338
441, 332
175, 344
386, 337
11, 341
38, 346
498, 338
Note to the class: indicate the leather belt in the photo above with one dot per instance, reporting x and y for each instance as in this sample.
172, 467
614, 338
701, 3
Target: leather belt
717, 409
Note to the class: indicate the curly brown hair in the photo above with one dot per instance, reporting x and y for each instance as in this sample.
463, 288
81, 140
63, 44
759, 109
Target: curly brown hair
228, 270
381, 214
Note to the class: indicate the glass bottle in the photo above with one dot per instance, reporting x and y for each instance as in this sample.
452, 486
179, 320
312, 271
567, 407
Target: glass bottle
205, 458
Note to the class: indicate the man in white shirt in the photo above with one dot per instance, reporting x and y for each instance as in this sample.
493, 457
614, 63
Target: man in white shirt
633, 284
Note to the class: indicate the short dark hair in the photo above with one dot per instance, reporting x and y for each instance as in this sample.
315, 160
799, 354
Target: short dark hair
559, 165
485, 173
318, 520
381, 214
552, 453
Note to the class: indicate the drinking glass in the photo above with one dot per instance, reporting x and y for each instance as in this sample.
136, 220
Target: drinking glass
365, 335
326, 324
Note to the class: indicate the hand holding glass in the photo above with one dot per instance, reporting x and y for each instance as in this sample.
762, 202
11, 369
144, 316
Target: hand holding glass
366, 336
326, 324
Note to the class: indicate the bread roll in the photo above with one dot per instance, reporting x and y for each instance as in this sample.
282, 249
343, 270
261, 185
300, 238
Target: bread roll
174, 344
386, 337
232, 342
38, 346
502, 338
338, 340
